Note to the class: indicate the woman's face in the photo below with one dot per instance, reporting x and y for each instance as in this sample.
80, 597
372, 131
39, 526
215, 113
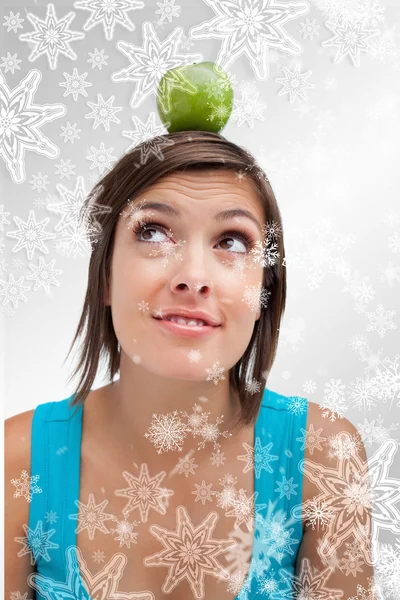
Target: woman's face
193, 261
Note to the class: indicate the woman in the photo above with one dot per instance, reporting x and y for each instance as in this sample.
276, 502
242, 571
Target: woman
186, 477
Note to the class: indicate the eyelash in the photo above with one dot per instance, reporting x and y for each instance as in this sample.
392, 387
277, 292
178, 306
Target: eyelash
147, 222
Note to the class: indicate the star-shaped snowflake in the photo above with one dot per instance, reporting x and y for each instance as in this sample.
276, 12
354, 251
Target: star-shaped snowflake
20, 123
51, 36
167, 432
150, 63
189, 553
144, 492
13, 290
311, 439
75, 84
80, 583
109, 13
215, 373
350, 38
44, 275
101, 158
36, 543
310, 583
30, 235
13, 22
149, 136
252, 29
91, 516
381, 320
350, 490
103, 112
294, 83
286, 487
258, 458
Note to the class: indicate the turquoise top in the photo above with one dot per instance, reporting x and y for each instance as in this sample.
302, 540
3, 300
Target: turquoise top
55, 458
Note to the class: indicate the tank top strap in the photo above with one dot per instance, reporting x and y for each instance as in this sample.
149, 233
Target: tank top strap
55, 459
280, 421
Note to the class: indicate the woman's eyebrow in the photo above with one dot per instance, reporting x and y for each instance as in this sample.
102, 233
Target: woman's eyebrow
220, 217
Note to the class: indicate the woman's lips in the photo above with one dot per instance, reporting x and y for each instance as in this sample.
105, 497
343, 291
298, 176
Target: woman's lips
189, 331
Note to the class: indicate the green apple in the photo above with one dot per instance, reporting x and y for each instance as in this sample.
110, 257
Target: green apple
197, 96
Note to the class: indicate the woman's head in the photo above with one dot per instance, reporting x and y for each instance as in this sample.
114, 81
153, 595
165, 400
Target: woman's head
148, 259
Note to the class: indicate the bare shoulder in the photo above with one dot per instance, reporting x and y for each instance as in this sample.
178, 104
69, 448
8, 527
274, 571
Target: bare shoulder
324, 443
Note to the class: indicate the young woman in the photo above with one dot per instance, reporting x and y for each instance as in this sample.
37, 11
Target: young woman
186, 477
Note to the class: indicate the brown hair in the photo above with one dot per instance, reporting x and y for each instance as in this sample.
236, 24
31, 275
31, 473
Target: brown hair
127, 179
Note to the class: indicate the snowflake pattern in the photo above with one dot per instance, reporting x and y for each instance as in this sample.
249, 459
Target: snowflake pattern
44, 275
91, 516
103, 112
189, 553
51, 36
13, 291
31, 235
250, 29
381, 320
109, 13
36, 543
258, 458
75, 84
21, 121
26, 486
350, 38
167, 432
150, 63
101, 158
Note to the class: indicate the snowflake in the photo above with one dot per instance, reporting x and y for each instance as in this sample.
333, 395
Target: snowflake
265, 253
149, 136
343, 447
144, 306
309, 386
98, 59
75, 84
381, 320
297, 405
44, 275
26, 486
317, 513
167, 432
387, 380
240, 36
167, 10
388, 569
256, 296
215, 373
309, 29
13, 22
218, 458
109, 13
286, 488
258, 457
125, 534
10, 63
51, 36
248, 108
203, 492
90, 516
294, 83
276, 535
185, 564
334, 402
394, 242
70, 132
65, 169
101, 158
350, 38
31, 235
194, 355
311, 439
103, 112
390, 273
39, 182
51, 517
3, 218
150, 63
21, 120
36, 543
253, 387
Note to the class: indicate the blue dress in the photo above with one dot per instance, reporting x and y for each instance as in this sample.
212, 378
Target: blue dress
55, 458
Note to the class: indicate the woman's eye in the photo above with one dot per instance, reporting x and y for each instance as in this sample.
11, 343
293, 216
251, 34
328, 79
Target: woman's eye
241, 237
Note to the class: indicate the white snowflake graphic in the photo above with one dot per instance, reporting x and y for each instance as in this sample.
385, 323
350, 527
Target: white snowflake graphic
167, 10
65, 169
150, 63
51, 36
70, 133
248, 108
294, 83
215, 373
91, 516
20, 123
101, 158
258, 457
381, 320
334, 400
39, 182
149, 135
252, 29
36, 543
109, 13
350, 38
98, 59
31, 235
103, 112
10, 63
309, 29
167, 432
256, 296
13, 22
75, 84
194, 356
26, 486
13, 290
44, 275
